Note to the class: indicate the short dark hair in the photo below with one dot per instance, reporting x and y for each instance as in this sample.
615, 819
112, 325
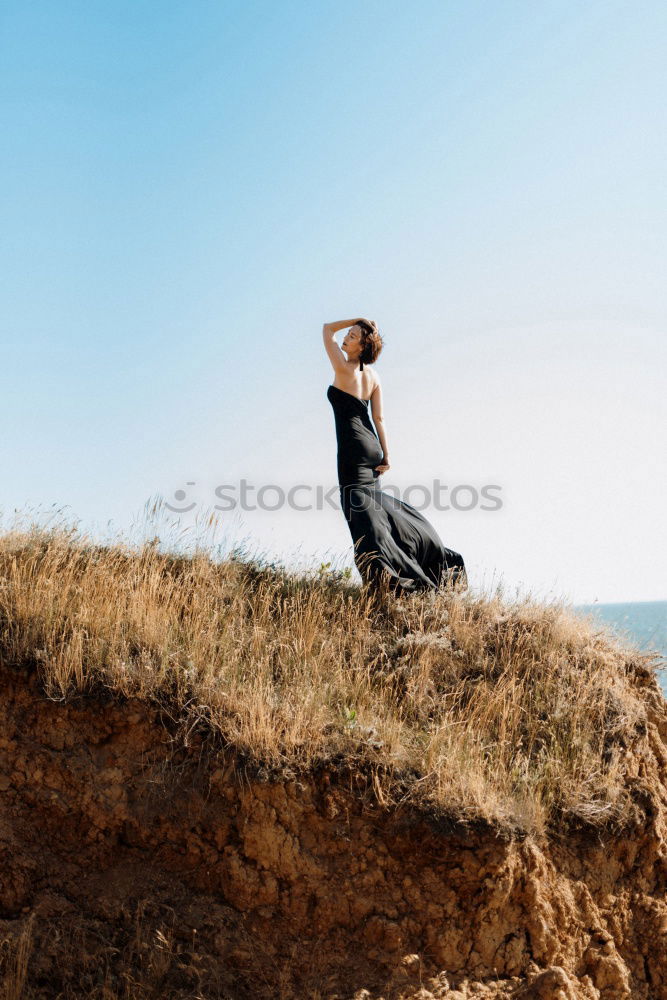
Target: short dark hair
371, 342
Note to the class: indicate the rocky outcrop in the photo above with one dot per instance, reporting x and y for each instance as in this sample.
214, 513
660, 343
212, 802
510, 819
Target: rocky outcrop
137, 860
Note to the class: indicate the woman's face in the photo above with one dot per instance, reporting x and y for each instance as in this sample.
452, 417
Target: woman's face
352, 341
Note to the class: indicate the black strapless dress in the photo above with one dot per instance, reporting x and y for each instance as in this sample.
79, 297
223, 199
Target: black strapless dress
393, 542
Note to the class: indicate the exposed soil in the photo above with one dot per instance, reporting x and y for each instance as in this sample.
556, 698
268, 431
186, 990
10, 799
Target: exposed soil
136, 861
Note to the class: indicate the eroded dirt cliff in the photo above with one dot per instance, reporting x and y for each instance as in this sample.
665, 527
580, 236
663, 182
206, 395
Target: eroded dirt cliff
138, 860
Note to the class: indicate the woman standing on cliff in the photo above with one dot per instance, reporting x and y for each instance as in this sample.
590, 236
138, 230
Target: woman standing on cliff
394, 544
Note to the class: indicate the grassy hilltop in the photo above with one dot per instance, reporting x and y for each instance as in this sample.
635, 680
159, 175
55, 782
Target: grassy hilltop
516, 713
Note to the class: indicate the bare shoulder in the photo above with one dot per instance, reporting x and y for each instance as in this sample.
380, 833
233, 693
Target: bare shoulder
375, 381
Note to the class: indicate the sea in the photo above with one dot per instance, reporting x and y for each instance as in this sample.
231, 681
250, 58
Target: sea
644, 623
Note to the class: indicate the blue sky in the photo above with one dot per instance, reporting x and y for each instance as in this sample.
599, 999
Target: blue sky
192, 189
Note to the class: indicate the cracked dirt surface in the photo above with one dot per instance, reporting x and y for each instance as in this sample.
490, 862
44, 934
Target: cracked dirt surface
139, 866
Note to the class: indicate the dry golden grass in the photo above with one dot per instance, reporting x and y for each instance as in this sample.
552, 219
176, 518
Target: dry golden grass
517, 712
14, 960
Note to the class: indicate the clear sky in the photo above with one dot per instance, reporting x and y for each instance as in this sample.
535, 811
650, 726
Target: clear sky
191, 189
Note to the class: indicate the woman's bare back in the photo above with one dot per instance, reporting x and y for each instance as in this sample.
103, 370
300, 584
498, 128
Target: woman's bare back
359, 384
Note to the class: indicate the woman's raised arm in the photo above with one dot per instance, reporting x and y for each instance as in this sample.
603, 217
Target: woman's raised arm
336, 356
340, 324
